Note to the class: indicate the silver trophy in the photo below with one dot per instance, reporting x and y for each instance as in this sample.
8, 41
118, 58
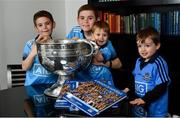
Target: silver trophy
64, 57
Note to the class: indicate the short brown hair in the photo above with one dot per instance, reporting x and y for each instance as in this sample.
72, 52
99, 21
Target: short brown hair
102, 25
42, 13
88, 7
148, 32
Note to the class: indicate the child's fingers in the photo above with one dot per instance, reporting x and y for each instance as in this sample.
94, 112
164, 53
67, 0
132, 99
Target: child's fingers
43, 38
133, 102
138, 101
75, 38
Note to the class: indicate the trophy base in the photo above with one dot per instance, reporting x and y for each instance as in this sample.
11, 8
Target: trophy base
55, 89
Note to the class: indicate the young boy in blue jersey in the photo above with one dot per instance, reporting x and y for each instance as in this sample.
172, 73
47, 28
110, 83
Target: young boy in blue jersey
35, 72
106, 58
86, 17
151, 76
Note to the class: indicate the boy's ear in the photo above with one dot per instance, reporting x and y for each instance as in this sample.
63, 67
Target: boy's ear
158, 46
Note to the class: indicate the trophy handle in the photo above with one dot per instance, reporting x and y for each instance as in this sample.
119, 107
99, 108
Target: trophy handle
93, 45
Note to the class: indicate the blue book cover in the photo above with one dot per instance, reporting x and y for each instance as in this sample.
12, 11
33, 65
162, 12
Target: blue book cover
68, 86
93, 97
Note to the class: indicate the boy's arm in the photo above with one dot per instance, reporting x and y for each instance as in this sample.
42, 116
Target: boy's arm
157, 92
129, 89
97, 58
113, 64
26, 63
151, 95
116, 63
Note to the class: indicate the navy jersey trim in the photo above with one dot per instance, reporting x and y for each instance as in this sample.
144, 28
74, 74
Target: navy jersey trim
162, 69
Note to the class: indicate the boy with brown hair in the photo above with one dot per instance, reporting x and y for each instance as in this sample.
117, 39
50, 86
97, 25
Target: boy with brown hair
86, 17
35, 72
151, 76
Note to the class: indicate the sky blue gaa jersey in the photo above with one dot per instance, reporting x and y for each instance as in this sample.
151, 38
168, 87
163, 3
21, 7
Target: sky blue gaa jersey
37, 74
103, 73
147, 77
76, 32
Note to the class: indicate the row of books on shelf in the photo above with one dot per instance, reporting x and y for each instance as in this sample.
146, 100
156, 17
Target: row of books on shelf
166, 23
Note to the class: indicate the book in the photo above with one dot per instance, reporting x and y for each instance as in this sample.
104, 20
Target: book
67, 87
93, 97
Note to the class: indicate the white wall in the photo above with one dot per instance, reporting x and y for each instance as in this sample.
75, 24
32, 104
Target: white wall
2, 69
16, 26
72, 7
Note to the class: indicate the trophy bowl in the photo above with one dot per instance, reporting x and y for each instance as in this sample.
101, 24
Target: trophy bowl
64, 57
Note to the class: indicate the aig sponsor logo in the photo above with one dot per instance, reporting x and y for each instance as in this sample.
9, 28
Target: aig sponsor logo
38, 70
141, 88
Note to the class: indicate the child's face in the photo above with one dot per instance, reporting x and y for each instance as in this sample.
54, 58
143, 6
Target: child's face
86, 20
44, 26
100, 36
147, 49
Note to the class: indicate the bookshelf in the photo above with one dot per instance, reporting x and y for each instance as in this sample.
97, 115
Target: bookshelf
127, 17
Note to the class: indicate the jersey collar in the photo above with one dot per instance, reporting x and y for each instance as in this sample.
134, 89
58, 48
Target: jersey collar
143, 63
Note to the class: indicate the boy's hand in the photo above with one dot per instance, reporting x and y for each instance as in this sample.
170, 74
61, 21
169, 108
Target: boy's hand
43, 38
126, 90
99, 57
137, 101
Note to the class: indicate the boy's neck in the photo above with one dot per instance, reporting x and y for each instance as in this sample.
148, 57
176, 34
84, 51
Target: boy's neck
88, 35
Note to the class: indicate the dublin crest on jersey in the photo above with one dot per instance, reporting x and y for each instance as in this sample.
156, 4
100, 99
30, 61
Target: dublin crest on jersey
147, 76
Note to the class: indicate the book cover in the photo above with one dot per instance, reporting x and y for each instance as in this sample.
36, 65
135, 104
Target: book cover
93, 97
68, 86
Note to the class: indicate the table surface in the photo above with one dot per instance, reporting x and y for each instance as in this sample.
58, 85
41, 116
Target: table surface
12, 104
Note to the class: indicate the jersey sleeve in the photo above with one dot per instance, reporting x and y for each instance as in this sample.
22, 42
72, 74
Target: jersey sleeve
113, 51
75, 32
27, 49
161, 71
